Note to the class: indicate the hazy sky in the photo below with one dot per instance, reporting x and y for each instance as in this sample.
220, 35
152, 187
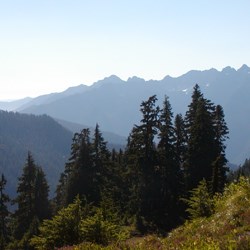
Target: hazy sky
49, 45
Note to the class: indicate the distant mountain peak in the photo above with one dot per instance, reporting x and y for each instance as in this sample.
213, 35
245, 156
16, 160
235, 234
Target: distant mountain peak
113, 79
135, 79
228, 70
244, 69
167, 77
212, 70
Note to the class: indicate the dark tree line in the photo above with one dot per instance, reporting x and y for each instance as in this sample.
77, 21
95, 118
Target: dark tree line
165, 158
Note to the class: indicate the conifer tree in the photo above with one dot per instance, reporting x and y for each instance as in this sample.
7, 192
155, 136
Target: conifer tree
166, 134
180, 139
200, 203
100, 152
62, 190
221, 129
170, 173
149, 126
4, 214
206, 133
192, 108
81, 174
25, 199
219, 165
32, 200
101, 164
201, 143
142, 157
42, 206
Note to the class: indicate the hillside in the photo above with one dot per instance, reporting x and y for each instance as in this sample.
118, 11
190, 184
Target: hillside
47, 140
227, 228
111, 101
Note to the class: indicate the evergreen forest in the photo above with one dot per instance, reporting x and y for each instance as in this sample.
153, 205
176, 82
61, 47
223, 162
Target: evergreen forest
171, 180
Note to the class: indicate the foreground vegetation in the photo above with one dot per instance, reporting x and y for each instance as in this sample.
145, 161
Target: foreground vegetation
228, 227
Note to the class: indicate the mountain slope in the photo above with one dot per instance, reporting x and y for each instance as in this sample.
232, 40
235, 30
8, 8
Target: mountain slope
46, 99
48, 142
114, 103
13, 105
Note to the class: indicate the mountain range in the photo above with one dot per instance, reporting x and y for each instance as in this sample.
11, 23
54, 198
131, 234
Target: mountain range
115, 103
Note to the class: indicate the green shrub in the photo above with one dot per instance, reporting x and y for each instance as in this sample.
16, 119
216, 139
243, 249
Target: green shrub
63, 229
200, 203
99, 230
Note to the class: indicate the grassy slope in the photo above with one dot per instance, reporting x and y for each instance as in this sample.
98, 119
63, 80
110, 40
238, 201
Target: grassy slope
227, 228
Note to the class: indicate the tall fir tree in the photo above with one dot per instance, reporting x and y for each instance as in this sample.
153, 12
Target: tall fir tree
201, 144
206, 134
101, 164
100, 152
25, 199
192, 108
142, 156
32, 199
81, 174
219, 165
170, 172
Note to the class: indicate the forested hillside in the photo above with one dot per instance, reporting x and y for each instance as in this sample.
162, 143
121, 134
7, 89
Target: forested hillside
171, 169
48, 141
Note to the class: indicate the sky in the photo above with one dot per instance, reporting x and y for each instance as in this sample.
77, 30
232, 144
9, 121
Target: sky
49, 45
